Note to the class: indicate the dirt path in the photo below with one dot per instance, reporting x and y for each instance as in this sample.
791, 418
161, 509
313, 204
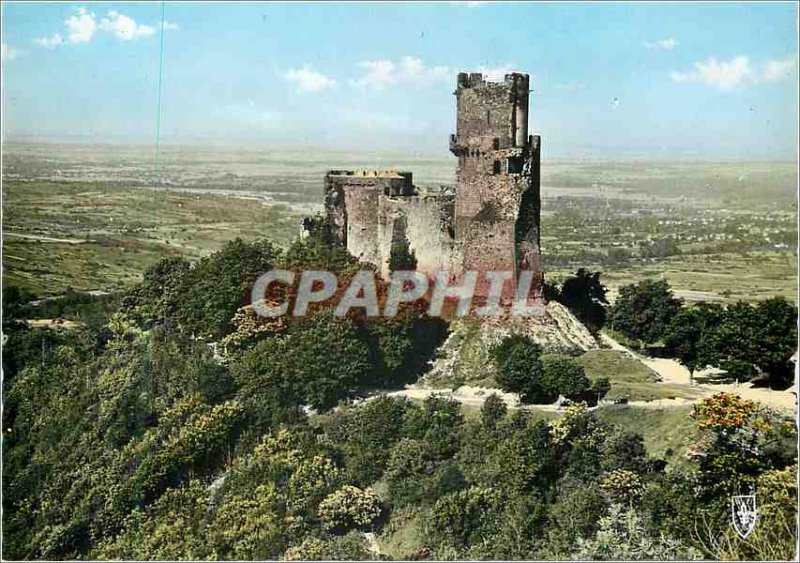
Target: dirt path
42, 238
51, 323
671, 371
476, 396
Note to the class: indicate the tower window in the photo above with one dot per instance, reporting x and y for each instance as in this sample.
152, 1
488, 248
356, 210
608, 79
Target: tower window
496, 144
496, 169
514, 165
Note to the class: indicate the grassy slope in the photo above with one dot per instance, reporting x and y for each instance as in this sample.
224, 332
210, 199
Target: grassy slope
667, 432
628, 376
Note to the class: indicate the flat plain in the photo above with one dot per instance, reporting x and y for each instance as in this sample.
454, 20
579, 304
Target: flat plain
92, 217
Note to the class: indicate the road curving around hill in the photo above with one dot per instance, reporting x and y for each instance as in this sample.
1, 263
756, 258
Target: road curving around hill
669, 371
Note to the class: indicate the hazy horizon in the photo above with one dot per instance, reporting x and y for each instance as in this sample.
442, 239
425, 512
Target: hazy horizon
428, 153
709, 81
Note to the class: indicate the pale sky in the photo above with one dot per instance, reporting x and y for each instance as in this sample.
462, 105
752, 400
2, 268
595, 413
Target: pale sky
672, 80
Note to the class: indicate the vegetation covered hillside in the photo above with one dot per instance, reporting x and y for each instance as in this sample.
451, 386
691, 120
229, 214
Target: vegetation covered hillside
130, 436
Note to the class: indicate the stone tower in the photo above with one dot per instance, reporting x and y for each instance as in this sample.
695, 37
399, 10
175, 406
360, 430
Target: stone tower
497, 208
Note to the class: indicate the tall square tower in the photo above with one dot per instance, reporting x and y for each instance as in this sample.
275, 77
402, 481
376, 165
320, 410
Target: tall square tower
497, 208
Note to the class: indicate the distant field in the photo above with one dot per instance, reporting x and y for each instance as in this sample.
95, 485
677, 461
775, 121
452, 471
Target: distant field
748, 276
92, 236
753, 183
85, 217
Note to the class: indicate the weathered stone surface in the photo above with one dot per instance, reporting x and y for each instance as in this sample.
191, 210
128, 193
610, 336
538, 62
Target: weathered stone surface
497, 200
492, 222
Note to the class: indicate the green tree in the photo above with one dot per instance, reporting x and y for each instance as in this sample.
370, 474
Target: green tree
493, 411
349, 508
352, 546
171, 528
575, 513
401, 257
687, 332
520, 369
157, 298
366, 435
320, 251
777, 337
599, 388
438, 425
749, 339
319, 361
623, 536
465, 518
732, 344
585, 296
563, 375
643, 310
221, 283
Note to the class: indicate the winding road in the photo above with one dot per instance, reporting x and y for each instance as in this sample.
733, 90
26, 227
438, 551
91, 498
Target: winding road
669, 371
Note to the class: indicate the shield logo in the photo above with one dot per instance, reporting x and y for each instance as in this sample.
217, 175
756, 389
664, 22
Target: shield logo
744, 514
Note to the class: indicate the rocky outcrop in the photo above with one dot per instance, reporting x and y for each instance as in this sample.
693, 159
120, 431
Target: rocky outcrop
464, 356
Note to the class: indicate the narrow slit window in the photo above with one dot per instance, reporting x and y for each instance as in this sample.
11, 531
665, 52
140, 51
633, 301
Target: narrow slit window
496, 169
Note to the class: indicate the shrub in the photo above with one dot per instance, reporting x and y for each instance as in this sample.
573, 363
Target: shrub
585, 296
466, 517
563, 375
352, 546
622, 536
519, 368
622, 486
493, 411
348, 508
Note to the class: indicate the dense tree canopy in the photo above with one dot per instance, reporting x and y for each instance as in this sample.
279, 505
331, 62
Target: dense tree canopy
643, 310
132, 437
687, 334
541, 378
585, 296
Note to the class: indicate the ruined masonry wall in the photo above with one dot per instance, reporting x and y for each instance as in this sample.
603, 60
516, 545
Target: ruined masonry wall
428, 224
362, 205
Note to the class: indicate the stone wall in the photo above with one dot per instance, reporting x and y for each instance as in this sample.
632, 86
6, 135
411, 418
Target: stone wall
428, 230
497, 207
371, 183
492, 222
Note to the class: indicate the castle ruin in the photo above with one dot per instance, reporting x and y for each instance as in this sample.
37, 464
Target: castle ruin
490, 223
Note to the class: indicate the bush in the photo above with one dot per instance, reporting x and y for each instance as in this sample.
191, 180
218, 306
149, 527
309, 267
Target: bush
538, 378
221, 283
352, 546
622, 486
466, 517
520, 369
349, 508
318, 362
622, 536
585, 296
493, 411
563, 375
